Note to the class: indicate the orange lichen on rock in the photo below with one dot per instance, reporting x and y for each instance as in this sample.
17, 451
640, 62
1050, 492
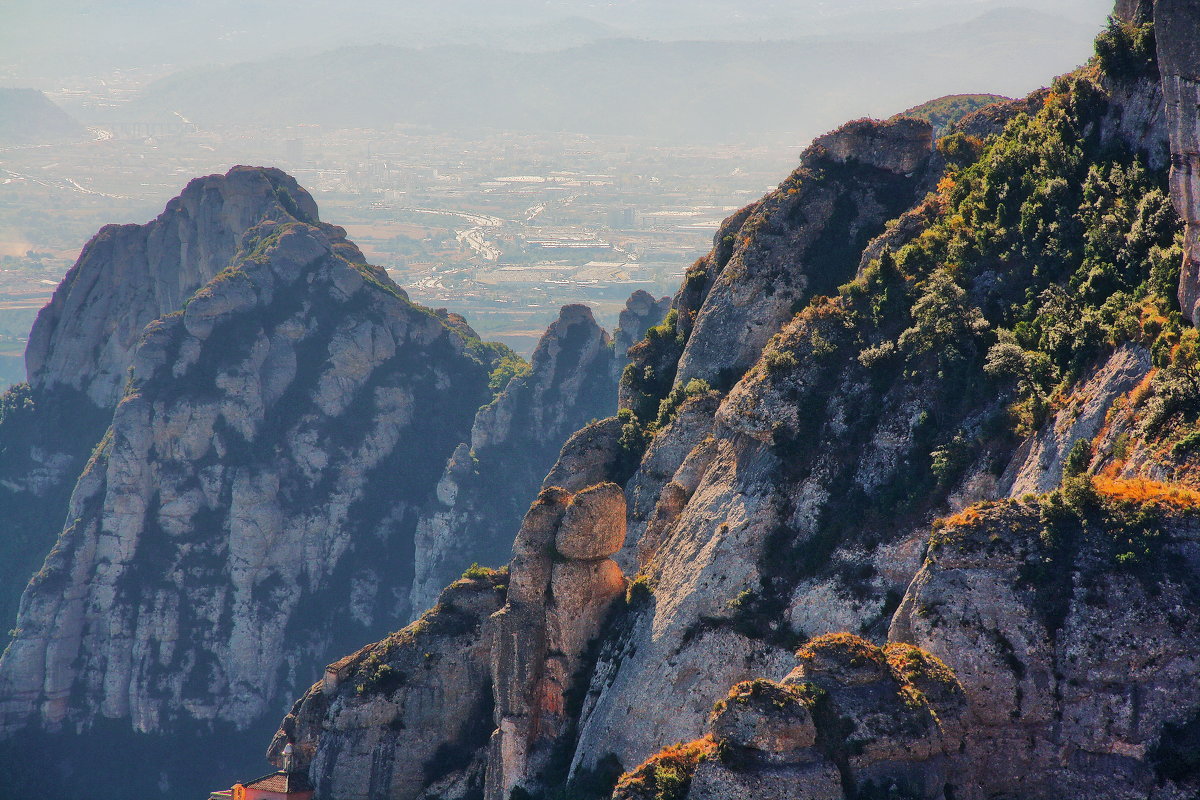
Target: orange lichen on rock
1140, 393
968, 516
910, 664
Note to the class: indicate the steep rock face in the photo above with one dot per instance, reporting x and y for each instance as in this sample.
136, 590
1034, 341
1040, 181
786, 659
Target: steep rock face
641, 312
791, 497
275, 442
83, 341
1138, 118
1179, 66
729, 544
1032, 656
514, 441
1037, 466
563, 586
1075, 644
852, 719
798, 525
673, 459
803, 239
727, 501
401, 718
128, 275
1135, 11
47, 436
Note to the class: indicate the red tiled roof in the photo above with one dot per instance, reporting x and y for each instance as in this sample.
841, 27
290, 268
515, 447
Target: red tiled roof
281, 782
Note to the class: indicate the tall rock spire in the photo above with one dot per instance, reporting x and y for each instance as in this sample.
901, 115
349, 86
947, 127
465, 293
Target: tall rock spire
128, 275
1176, 25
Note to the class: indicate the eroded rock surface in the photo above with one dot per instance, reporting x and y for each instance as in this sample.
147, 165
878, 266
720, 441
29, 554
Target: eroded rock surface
129, 275
514, 441
1179, 66
769, 258
1072, 655
852, 720
408, 716
590, 456
84, 339
1038, 464
642, 311
251, 508
795, 440
563, 587
1030, 657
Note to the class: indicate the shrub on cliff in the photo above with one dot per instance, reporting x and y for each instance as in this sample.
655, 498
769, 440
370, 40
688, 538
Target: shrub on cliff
667, 775
509, 365
650, 376
669, 407
1047, 249
1127, 51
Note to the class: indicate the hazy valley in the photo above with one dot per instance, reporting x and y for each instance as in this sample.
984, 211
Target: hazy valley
444, 463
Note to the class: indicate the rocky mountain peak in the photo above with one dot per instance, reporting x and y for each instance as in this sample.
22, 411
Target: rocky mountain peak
559, 365
276, 438
514, 441
803, 239
819, 453
910, 463
128, 275
899, 145
642, 311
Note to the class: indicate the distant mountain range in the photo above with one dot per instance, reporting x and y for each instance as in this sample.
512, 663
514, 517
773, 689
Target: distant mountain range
29, 117
75, 37
695, 90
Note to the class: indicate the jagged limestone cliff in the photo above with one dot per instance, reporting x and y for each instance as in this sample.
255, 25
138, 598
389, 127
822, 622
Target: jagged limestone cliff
851, 719
572, 380
514, 441
1070, 622
276, 440
768, 259
83, 341
129, 275
641, 313
269, 454
1178, 57
286, 418
815, 399
404, 717
878, 185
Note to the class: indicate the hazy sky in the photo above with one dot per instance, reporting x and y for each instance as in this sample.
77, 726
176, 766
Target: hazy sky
42, 41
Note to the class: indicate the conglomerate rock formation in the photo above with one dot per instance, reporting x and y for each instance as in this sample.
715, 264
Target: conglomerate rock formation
563, 585
83, 342
1072, 628
1179, 65
911, 463
270, 450
129, 275
514, 441
279, 419
375, 725
828, 384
